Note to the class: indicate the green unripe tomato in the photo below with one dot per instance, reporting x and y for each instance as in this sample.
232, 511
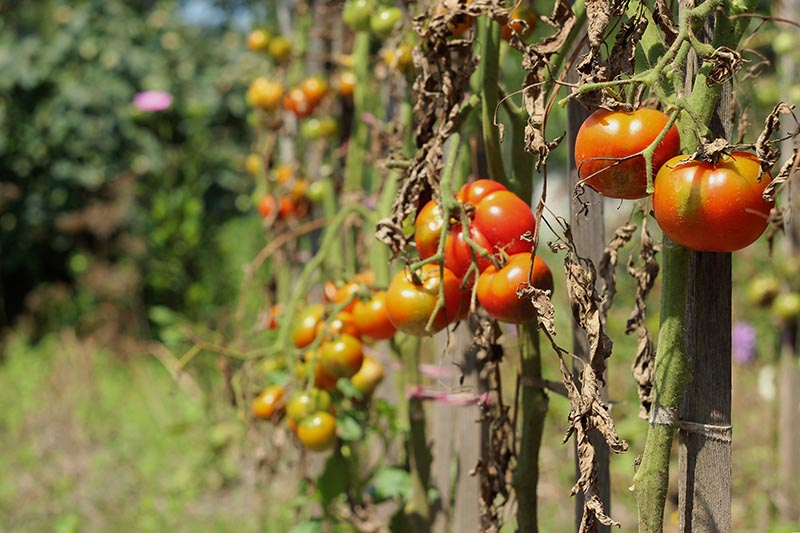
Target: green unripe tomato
356, 14
315, 192
383, 23
787, 306
763, 290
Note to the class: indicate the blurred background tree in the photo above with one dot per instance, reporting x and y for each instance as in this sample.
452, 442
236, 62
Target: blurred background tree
103, 203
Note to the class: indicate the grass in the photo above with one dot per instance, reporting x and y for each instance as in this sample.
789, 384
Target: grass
92, 443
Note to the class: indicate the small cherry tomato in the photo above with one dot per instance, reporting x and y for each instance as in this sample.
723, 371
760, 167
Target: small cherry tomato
411, 300
521, 22
372, 319
280, 49
345, 83
314, 88
712, 208
497, 289
268, 402
303, 403
605, 146
343, 322
258, 40
264, 93
368, 377
342, 356
317, 432
305, 326
295, 101
266, 206
384, 21
349, 290
356, 14
254, 164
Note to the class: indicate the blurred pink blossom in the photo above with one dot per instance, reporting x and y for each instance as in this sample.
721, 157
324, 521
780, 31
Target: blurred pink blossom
456, 399
743, 343
152, 101
436, 371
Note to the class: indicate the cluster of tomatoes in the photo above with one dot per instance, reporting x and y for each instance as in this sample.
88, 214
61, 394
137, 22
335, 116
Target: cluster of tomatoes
291, 195
333, 349
491, 243
709, 206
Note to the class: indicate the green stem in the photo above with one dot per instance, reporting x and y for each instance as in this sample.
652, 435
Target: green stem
671, 375
355, 172
417, 509
488, 38
672, 371
534, 409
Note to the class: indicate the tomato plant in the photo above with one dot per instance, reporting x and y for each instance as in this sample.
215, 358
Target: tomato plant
606, 145
268, 402
411, 299
712, 207
497, 289
317, 432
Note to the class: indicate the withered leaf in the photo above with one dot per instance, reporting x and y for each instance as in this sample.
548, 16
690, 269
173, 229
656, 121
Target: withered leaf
662, 16
765, 152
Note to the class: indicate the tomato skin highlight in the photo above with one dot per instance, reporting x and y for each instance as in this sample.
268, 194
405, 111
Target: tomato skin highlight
305, 327
411, 305
428, 229
607, 136
712, 208
497, 289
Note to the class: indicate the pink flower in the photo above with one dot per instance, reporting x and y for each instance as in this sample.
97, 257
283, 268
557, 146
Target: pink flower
436, 371
152, 101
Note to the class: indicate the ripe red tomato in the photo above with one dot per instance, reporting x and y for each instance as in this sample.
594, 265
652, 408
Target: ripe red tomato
502, 217
266, 206
342, 356
712, 208
428, 229
497, 290
606, 136
317, 432
368, 376
458, 255
410, 304
349, 290
372, 319
475, 191
268, 402
305, 326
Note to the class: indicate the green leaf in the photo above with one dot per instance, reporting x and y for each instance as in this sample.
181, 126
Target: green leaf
332, 483
309, 526
349, 428
390, 483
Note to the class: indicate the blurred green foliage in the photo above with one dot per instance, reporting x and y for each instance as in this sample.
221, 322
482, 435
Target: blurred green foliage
86, 178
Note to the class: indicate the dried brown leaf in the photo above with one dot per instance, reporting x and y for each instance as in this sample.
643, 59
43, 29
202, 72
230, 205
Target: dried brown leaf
622, 58
788, 169
764, 150
609, 261
663, 17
